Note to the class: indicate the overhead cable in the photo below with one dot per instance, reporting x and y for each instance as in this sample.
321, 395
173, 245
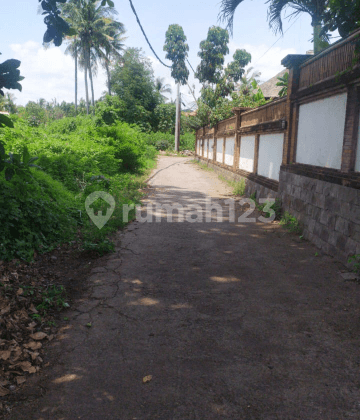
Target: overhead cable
142, 30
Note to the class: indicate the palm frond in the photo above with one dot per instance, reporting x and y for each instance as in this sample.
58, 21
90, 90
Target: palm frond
227, 13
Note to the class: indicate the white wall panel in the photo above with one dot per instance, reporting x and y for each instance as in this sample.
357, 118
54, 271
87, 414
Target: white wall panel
247, 153
321, 132
206, 148
270, 155
219, 150
211, 150
229, 151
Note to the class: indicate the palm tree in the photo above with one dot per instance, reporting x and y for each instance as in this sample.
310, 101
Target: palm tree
110, 50
73, 48
162, 87
92, 24
246, 81
315, 8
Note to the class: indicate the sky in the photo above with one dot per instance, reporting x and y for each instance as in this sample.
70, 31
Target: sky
49, 74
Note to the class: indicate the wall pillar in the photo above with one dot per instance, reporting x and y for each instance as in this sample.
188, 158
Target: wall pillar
351, 129
293, 63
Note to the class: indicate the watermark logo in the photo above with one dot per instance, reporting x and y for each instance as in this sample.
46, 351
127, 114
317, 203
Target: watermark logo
97, 200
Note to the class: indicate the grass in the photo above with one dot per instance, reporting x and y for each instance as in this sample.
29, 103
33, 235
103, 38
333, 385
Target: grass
291, 223
202, 165
237, 186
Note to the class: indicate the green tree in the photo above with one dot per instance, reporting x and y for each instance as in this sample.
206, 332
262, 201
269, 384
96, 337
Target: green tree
315, 8
133, 82
111, 50
283, 82
177, 51
212, 53
165, 115
162, 87
245, 85
9, 79
57, 27
219, 81
343, 15
94, 30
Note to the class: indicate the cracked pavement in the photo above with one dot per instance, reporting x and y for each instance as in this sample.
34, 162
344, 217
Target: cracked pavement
237, 321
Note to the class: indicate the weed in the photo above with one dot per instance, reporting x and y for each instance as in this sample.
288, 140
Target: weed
203, 166
52, 298
291, 223
102, 247
239, 187
355, 261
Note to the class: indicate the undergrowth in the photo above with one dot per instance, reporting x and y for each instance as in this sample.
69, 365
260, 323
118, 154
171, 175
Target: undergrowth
45, 206
291, 223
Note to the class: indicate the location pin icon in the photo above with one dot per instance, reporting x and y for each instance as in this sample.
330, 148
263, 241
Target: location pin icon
99, 219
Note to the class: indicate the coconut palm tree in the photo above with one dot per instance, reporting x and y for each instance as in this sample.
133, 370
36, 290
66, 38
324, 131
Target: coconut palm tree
91, 22
111, 49
162, 88
315, 8
246, 81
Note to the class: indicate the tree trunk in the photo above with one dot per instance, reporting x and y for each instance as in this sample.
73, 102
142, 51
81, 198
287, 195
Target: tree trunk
86, 90
317, 39
108, 76
76, 81
91, 82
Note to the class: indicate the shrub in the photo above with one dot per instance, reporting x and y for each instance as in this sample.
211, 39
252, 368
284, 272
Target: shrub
291, 223
35, 215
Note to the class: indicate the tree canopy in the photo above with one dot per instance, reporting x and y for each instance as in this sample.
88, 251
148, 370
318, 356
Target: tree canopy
177, 51
133, 82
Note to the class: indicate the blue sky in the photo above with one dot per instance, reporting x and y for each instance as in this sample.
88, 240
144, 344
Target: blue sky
50, 74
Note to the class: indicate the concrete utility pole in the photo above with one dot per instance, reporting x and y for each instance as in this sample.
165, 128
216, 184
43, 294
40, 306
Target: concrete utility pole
177, 123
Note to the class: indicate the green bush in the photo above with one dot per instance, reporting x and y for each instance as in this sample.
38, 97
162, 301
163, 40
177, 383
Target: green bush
77, 157
36, 214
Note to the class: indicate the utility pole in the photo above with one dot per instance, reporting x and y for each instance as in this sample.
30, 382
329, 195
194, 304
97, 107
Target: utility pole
178, 118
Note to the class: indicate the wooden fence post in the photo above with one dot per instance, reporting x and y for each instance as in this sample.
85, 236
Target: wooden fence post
293, 63
351, 129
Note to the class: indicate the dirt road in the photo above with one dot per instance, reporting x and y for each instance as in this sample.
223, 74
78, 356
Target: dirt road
232, 321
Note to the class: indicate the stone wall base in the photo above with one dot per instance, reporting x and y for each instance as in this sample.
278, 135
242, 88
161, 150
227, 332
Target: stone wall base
328, 212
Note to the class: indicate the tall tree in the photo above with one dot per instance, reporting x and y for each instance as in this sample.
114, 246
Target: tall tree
219, 82
177, 49
315, 8
133, 82
112, 48
93, 25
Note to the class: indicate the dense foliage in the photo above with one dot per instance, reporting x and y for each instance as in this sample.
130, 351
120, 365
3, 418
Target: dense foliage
177, 51
134, 83
218, 96
41, 207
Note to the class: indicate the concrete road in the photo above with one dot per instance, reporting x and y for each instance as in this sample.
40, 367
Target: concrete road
224, 320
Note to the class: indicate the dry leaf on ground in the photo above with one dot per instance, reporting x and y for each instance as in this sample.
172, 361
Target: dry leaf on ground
38, 336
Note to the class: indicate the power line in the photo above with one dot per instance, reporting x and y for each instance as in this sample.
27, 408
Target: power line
275, 41
190, 66
142, 30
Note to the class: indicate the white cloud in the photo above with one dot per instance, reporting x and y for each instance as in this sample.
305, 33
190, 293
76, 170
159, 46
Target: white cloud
49, 74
